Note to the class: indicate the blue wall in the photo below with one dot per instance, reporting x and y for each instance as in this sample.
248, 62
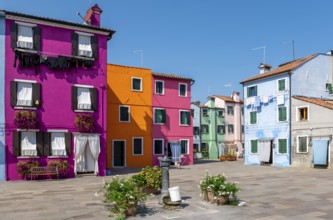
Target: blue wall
2, 98
267, 126
196, 123
307, 80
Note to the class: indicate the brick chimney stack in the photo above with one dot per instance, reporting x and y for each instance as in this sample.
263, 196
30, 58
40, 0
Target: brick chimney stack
93, 16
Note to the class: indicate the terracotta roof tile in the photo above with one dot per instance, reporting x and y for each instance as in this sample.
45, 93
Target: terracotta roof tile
170, 76
326, 103
227, 98
281, 69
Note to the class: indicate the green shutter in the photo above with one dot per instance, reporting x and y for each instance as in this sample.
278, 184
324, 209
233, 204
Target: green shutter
282, 85
282, 146
253, 117
255, 91
254, 146
330, 88
283, 114
302, 144
248, 92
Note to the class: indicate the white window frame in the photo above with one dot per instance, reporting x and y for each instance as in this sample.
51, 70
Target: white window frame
136, 90
28, 156
201, 130
179, 90
256, 85
142, 144
187, 147
297, 112
233, 128
129, 113
277, 85
326, 85
88, 87
29, 25
154, 116
180, 115
26, 107
278, 147
217, 129
250, 117
158, 139
233, 110
250, 150
277, 114
57, 131
162, 87
307, 144
204, 115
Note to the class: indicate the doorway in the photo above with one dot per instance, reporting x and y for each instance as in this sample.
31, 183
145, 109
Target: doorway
118, 153
320, 150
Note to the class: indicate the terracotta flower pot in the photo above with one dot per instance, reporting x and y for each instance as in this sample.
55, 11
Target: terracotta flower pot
221, 200
210, 196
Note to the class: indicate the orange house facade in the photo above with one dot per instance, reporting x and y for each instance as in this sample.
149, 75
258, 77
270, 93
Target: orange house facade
129, 117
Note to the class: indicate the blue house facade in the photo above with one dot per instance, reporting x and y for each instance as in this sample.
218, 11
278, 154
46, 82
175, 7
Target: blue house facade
195, 112
2, 98
267, 106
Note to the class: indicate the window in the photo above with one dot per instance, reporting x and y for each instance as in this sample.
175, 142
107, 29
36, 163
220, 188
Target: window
159, 116
220, 113
329, 88
242, 129
136, 84
25, 35
196, 130
253, 118
24, 93
28, 144
220, 129
195, 147
184, 118
137, 146
204, 147
282, 148
204, 112
242, 110
84, 98
252, 91
281, 85
182, 89
230, 129
204, 129
159, 87
184, 146
282, 111
124, 113
192, 112
302, 114
57, 143
230, 110
254, 146
158, 147
302, 144
84, 45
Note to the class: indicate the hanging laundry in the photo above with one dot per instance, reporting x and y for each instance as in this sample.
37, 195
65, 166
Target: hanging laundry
62, 62
72, 62
256, 101
264, 99
88, 63
280, 99
53, 63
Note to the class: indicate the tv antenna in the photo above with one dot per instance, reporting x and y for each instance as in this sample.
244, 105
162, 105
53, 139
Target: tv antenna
78, 13
141, 55
293, 46
264, 48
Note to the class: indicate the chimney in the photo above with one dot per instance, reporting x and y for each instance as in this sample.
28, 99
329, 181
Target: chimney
235, 96
93, 16
264, 68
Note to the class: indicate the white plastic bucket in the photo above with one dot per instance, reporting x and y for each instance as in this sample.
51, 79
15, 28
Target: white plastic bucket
174, 194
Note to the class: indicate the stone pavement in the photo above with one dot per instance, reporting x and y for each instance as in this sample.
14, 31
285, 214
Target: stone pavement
269, 192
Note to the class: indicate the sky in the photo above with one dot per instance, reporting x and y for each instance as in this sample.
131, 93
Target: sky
218, 43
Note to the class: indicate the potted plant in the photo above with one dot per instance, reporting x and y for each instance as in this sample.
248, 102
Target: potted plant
223, 157
62, 166
149, 178
196, 154
124, 195
205, 154
85, 123
26, 119
23, 168
215, 189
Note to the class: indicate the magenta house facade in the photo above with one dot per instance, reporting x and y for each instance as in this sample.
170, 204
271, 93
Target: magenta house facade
55, 92
172, 123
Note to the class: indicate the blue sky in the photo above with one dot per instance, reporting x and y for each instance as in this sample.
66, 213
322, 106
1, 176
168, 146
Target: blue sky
211, 41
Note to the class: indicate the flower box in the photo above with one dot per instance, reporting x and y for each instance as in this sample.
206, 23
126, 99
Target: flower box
85, 123
26, 119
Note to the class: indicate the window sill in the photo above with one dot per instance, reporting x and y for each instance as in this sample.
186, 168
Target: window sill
23, 107
84, 58
26, 130
27, 157
302, 152
26, 50
87, 111
184, 125
57, 156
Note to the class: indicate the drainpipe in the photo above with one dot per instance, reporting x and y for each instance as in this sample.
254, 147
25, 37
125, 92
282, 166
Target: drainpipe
290, 107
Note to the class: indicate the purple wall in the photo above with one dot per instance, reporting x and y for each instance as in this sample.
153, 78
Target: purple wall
55, 111
172, 102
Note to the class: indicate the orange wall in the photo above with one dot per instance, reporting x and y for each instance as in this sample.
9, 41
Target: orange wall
119, 92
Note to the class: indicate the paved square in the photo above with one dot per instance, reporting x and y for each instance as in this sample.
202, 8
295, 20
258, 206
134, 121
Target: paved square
269, 192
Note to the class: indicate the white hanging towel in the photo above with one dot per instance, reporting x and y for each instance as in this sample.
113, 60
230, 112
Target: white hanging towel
280, 99
265, 99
